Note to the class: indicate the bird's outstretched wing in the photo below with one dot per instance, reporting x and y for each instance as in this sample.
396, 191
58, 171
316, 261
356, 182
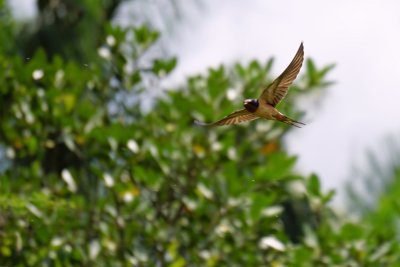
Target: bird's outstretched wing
236, 117
277, 90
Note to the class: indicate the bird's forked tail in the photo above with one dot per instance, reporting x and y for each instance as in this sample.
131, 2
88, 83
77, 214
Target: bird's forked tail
290, 121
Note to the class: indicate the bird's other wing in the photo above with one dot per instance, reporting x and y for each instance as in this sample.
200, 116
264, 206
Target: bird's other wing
277, 90
236, 117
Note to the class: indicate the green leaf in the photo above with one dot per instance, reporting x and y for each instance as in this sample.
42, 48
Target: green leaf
328, 196
278, 166
162, 67
258, 204
313, 185
135, 78
144, 36
315, 76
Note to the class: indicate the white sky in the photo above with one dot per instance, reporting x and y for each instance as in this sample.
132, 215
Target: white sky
361, 36
23, 9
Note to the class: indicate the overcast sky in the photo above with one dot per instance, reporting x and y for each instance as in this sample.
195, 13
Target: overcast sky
361, 36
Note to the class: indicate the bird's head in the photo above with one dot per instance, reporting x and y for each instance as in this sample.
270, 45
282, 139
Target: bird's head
251, 105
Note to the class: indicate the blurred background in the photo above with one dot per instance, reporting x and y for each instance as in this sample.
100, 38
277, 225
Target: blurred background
100, 163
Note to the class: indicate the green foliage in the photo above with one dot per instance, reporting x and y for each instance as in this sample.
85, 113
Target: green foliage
316, 77
162, 67
380, 207
144, 37
95, 181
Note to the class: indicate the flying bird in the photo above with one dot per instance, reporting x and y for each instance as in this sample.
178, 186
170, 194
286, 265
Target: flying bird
264, 106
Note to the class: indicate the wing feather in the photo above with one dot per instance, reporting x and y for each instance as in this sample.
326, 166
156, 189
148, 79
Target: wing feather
278, 89
236, 117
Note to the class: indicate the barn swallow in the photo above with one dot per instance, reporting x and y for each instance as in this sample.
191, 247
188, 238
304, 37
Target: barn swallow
264, 106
